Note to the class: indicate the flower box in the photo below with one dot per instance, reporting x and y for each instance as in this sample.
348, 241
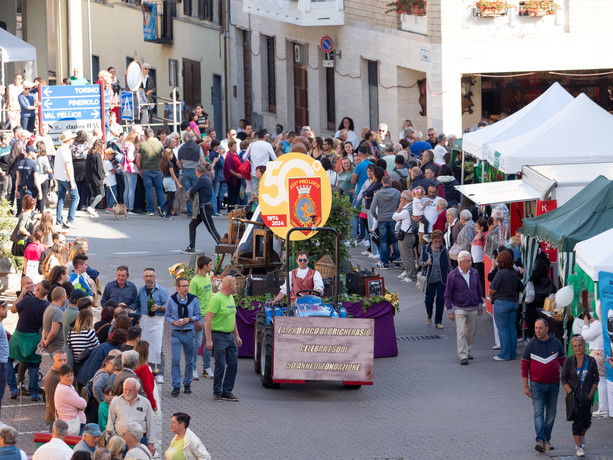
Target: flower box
418, 11
538, 8
493, 12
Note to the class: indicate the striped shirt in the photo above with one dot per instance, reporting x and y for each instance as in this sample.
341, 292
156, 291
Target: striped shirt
83, 340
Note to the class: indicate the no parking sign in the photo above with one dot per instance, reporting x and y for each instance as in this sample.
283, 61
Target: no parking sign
326, 44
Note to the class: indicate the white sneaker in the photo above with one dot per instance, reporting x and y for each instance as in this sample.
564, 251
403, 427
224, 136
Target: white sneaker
195, 374
365, 243
159, 379
374, 256
92, 212
406, 280
402, 275
365, 253
496, 347
579, 452
208, 374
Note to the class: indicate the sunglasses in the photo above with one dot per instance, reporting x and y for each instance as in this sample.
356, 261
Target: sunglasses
303, 260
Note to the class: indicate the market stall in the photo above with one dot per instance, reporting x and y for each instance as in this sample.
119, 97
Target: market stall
544, 107
557, 140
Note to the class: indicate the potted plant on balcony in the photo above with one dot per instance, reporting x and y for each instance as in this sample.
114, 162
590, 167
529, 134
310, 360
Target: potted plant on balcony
414, 7
491, 8
538, 8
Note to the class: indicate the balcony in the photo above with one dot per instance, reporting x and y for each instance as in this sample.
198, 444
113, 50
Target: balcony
299, 12
157, 21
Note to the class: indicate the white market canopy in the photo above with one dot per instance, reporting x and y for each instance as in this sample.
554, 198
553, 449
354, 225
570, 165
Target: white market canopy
537, 112
561, 140
595, 254
14, 49
508, 191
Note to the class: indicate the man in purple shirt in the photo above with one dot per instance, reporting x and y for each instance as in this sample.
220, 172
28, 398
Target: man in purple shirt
464, 303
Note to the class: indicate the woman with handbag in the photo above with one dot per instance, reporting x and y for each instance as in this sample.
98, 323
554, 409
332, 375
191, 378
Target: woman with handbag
69, 406
504, 294
465, 237
130, 170
580, 380
435, 261
22, 234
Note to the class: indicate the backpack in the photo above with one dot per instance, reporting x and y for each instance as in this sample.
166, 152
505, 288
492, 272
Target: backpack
403, 179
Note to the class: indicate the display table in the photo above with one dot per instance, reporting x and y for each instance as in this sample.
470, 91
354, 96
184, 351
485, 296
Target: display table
382, 312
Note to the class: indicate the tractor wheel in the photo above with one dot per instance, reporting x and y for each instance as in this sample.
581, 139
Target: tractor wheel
260, 323
352, 387
266, 358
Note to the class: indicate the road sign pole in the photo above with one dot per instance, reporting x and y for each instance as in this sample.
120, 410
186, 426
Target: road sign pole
40, 106
102, 113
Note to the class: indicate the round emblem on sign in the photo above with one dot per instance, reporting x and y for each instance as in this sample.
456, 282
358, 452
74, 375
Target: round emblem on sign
295, 192
327, 45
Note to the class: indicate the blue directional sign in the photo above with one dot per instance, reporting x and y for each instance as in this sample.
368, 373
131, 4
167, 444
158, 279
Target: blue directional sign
81, 102
127, 106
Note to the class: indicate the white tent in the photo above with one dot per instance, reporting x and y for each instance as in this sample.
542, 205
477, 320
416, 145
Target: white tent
537, 112
13, 49
595, 254
561, 140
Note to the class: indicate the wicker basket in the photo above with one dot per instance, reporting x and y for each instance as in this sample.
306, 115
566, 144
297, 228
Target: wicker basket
326, 267
234, 270
559, 316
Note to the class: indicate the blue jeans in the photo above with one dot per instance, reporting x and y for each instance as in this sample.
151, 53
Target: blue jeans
189, 179
63, 186
215, 197
186, 340
438, 290
153, 179
11, 379
545, 400
225, 352
505, 314
130, 180
110, 193
388, 237
4, 367
206, 354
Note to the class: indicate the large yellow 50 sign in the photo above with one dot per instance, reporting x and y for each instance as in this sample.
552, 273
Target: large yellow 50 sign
295, 192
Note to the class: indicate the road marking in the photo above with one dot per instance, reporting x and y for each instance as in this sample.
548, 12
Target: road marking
24, 405
130, 253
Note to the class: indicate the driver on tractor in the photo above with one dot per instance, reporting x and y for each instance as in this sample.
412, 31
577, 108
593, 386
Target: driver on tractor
302, 278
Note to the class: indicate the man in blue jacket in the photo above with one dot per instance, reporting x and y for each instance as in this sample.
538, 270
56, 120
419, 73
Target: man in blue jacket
464, 303
182, 311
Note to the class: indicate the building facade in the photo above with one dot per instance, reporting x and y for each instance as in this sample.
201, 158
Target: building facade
185, 48
441, 67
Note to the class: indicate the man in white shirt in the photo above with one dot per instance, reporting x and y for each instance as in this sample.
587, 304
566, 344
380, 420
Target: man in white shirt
64, 174
43, 135
301, 278
259, 153
231, 134
56, 449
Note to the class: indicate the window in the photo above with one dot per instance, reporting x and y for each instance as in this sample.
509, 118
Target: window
95, 68
270, 75
187, 8
173, 73
373, 93
205, 10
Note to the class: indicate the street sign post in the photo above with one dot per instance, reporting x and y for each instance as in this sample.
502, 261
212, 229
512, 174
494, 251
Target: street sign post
127, 106
76, 108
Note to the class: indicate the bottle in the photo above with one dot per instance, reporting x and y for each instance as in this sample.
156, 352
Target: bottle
216, 265
150, 304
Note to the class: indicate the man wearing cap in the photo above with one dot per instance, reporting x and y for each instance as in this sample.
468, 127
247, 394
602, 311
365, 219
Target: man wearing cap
26, 177
64, 174
91, 434
28, 106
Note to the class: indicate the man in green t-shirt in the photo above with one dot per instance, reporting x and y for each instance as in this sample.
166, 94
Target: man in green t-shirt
222, 336
201, 287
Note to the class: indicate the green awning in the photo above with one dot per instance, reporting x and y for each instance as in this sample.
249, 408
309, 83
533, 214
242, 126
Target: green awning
587, 214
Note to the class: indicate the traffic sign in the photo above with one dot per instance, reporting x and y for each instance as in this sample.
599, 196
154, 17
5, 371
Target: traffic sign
72, 107
326, 44
71, 103
127, 106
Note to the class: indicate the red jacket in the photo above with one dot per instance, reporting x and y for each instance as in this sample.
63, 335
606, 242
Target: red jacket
145, 376
441, 220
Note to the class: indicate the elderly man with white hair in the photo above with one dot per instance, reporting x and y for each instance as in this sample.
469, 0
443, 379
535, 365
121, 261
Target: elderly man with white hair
129, 408
56, 449
464, 303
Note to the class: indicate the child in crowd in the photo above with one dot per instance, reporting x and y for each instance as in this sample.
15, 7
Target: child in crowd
418, 210
103, 409
110, 180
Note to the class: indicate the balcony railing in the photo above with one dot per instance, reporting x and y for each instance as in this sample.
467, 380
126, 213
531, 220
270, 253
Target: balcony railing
157, 21
299, 12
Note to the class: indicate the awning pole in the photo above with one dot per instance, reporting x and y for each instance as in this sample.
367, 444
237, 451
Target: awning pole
463, 160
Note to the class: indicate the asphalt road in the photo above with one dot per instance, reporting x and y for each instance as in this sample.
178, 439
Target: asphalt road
423, 404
